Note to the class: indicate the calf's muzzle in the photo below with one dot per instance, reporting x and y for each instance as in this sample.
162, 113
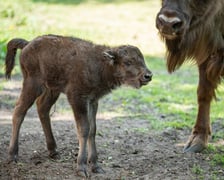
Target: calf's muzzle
146, 77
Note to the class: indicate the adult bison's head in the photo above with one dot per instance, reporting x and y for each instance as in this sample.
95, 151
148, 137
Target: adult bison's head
176, 17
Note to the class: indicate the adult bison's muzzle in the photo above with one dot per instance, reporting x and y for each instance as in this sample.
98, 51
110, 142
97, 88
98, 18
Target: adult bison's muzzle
170, 23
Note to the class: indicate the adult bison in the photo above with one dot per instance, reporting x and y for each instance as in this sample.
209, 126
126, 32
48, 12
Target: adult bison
84, 72
194, 30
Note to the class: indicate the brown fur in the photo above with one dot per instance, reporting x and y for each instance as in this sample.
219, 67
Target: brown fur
200, 38
19, 43
84, 72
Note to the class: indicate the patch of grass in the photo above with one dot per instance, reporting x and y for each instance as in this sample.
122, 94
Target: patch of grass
217, 135
216, 155
210, 149
141, 130
215, 161
196, 169
218, 159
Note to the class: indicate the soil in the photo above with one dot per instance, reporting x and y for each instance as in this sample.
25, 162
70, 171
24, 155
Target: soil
125, 152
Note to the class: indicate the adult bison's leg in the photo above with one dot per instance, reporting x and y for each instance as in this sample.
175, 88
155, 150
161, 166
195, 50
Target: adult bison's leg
201, 131
92, 152
29, 93
44, 104
80, 108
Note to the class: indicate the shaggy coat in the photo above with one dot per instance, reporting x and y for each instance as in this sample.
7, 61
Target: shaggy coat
194, 30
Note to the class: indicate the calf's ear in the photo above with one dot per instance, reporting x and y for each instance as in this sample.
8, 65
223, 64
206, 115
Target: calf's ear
110, 56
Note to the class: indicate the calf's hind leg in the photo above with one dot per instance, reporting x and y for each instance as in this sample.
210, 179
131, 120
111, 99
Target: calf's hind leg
30, 91
44, 104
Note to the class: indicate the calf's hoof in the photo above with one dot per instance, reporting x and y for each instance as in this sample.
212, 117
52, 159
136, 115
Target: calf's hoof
11, 161
196, 143
12, 158
82, 173
97, 169
54, 155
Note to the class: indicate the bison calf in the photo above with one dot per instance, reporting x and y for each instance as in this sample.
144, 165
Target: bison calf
84, 72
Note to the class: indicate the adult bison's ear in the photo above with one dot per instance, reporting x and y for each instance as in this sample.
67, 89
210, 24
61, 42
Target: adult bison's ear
110, 56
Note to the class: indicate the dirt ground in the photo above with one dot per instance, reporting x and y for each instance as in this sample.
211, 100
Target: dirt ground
124, 151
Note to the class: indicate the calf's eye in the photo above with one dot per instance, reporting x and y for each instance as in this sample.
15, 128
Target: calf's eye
127, 63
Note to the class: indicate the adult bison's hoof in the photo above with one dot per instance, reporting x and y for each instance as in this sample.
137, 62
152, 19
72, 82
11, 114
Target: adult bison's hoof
196, 143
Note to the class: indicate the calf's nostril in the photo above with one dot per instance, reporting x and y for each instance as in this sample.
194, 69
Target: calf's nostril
147, 77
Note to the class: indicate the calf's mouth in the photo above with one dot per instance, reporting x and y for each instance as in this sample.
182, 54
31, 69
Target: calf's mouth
143, 80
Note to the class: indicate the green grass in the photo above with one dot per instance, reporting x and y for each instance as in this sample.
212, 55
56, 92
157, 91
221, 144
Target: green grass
216, 154
198, 171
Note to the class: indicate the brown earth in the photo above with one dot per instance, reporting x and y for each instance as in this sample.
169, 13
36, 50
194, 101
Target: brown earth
125, 152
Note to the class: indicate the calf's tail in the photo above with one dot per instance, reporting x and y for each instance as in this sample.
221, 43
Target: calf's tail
12, 47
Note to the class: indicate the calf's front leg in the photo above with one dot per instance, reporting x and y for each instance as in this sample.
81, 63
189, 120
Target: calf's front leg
201, 131
92, 152
80, 110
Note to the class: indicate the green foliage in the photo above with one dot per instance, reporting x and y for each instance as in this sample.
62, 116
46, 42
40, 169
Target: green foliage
7, 13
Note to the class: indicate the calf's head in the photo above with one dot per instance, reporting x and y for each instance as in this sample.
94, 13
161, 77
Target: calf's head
129, 67
176, 17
